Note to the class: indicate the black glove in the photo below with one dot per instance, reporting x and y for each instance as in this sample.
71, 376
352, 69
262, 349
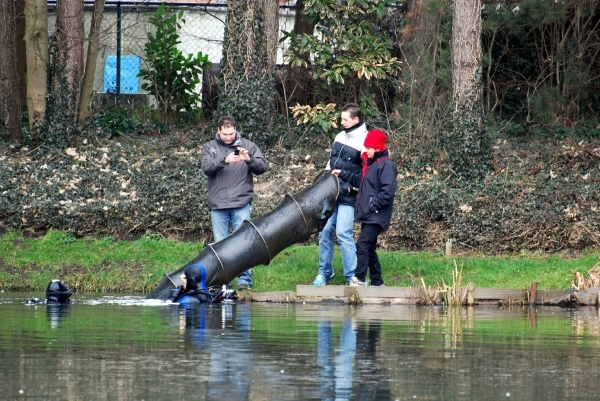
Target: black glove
175, 293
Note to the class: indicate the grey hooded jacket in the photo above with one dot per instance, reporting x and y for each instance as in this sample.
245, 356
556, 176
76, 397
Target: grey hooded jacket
230, 185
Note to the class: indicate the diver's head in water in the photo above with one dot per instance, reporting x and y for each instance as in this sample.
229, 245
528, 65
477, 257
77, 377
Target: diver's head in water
193, 278
58, 293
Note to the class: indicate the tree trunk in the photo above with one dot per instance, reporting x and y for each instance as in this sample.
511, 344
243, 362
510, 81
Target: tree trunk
246, 84
272, 29
21, 54
299, 80
466, 47
69, 40
469, 148
36, 38
90, 64
11, 107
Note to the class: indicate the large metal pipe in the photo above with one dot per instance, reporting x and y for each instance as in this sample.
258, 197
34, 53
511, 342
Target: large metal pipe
257, 241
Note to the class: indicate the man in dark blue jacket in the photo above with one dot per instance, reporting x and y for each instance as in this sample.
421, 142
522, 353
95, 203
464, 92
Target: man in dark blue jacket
375, 199
345, 154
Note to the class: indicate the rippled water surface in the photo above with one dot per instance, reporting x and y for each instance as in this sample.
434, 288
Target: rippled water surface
127, 348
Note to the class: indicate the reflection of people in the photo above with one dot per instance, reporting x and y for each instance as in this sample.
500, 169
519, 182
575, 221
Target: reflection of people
195, 321
369, 385
230, 161
335, 369
345, 155
374, 202
218, 337
231, 363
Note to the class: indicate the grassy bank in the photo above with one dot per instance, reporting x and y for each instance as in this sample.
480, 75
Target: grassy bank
106, 265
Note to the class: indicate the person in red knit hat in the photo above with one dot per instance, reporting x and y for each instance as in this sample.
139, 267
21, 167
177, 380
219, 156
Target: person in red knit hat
377, 188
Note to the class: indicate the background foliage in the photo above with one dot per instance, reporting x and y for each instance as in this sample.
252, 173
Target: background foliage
170, 76
536, 191
351, 58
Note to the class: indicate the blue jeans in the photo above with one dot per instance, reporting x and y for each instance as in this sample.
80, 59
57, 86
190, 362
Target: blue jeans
222, 220
342, 223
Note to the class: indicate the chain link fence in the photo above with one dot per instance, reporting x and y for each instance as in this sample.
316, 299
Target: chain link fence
124, 32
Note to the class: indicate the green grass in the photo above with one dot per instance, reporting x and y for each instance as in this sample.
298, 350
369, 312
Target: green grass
104, 264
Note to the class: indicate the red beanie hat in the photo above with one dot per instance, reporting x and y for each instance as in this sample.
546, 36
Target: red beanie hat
376, 139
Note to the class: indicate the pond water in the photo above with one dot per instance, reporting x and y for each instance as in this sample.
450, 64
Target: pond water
125, 347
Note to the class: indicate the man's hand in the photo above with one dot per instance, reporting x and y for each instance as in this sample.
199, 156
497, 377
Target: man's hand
244, 155
233, 158
336, 172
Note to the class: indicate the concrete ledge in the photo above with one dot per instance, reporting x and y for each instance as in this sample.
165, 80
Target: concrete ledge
363, 292
324, 291
340, 294
275, 296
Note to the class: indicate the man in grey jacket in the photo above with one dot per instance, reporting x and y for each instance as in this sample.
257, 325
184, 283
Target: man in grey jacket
229, 161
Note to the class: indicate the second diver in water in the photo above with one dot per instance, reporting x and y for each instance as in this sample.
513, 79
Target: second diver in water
57, 293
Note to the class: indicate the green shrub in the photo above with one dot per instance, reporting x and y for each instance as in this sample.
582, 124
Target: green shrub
170, 76
351, 56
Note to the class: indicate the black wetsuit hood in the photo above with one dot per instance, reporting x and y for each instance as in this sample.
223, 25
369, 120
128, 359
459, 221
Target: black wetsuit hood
194, 277
58, 293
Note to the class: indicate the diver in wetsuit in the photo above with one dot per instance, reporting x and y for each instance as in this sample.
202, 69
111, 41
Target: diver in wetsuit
56, 293
194, 290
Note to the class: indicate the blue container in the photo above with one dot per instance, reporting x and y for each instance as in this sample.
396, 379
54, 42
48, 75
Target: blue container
130, 68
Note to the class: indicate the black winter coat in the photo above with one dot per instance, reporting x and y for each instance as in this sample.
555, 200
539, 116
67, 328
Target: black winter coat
376, 191
345, 155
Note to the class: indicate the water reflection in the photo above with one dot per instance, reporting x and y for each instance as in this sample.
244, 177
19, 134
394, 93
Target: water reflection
337, 357
56, 313
222, 332
106, 348
336, 363
373, 375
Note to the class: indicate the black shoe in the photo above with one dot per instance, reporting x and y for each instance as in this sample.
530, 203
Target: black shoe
243, 286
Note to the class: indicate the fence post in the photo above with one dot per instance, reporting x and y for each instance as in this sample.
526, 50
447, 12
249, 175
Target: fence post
118, 88
449, 242
533, 293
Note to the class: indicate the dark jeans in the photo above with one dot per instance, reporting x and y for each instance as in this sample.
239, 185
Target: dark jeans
366, 255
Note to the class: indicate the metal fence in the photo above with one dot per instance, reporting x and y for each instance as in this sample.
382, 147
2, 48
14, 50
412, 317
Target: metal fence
124, 32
